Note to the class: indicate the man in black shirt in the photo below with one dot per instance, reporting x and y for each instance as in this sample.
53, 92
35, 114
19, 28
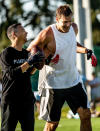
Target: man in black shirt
17, 103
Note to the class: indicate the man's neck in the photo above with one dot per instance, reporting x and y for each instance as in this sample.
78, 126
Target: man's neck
57, 26
17, 46
60, 30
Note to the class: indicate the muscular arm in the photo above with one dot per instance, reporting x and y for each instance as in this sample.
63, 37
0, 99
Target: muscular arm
80, 48
38, 44
41, 41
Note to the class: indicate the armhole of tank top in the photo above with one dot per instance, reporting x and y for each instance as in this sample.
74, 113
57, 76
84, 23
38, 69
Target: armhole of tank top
52, 27
73, 30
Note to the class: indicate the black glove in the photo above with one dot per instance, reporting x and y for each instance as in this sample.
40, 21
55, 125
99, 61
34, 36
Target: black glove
36, 58
39, 65
89, 54
48, 60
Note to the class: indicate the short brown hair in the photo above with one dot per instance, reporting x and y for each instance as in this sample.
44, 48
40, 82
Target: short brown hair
12, 28
63, 10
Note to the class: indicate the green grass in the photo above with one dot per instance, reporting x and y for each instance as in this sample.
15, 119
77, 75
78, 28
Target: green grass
65, 124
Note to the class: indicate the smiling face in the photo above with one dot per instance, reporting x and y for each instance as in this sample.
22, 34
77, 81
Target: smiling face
21, 34
16, 32
63, 18
64, 23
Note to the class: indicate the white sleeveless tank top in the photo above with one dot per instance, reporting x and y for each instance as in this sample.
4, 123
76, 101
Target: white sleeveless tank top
64, 74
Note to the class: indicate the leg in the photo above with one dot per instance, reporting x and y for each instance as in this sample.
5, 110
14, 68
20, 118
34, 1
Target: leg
26, 118
37, 102
38, 106
8, 118
93, 108
78, 102
50, 107
50, 126
85, 117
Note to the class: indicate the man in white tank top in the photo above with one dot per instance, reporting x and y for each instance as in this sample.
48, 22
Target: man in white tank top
59, 79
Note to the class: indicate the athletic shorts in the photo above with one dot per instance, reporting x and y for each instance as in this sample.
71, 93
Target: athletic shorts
52, 101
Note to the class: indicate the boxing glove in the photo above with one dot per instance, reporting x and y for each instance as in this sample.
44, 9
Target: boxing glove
90, 55
36, 58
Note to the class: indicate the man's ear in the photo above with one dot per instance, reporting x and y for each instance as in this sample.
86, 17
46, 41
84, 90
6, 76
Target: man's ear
14, 35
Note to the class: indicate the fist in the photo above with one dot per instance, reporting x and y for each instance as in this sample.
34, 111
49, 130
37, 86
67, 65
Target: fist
89, 54
36, 57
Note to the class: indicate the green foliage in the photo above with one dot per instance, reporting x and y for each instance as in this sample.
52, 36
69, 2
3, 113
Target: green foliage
4, 41
9, 14
42, 14
96, 36
95, 4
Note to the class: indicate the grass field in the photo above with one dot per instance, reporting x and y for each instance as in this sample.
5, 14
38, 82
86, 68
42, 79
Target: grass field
65, 124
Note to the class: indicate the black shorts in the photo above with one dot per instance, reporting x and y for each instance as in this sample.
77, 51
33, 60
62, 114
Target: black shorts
52, 101
11, 114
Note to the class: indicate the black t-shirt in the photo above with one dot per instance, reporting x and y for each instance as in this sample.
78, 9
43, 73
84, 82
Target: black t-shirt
16, 85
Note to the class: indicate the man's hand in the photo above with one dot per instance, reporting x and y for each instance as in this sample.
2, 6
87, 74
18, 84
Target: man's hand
39, 65
49, 59
36, 58
91, 55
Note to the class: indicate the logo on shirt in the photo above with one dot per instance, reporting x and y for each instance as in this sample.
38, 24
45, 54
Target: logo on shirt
19, 61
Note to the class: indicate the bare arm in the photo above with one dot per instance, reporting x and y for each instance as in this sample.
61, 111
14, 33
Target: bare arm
40, 41
25, 66
81, 49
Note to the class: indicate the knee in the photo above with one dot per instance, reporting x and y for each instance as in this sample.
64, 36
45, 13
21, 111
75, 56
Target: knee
51, 126
85, 114
54, 125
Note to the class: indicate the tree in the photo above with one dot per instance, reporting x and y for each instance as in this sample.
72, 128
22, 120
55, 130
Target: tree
12, 11
95, 10
9, 13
